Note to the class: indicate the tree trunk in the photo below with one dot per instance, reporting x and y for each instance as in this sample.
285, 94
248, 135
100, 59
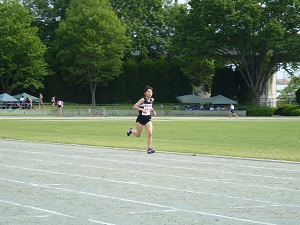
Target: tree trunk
255, 99
256, 81
93, 88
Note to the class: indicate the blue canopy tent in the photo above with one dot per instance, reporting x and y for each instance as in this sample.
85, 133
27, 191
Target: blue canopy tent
7, 98
8, 102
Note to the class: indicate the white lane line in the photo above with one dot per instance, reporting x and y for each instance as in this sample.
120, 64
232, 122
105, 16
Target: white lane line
250, 207
35, 208
164, 166
140, 202
230, 164
24, 217
149, 186
131, 171
275, 188
225, 181
153, 211
52, 184
100, 222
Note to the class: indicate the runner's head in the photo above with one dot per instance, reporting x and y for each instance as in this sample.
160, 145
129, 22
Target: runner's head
148, 91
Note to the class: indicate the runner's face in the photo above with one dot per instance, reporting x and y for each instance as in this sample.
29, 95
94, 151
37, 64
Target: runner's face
148, 93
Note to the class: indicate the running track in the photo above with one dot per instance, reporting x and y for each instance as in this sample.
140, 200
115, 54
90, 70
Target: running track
43, 183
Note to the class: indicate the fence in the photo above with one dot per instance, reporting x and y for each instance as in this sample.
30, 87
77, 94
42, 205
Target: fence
274, 102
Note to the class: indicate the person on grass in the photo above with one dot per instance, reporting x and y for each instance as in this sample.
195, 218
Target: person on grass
144, 106
60, 105
41, 103
232, 111
53, 101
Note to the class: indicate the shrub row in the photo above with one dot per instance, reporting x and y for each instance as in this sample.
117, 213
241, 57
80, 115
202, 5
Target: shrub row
287, 110
259, 111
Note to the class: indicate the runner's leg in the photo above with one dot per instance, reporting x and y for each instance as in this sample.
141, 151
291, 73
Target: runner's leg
149, 129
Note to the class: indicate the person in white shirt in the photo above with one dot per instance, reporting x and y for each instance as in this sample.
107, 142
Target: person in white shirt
60, 105
232, 111
22, 102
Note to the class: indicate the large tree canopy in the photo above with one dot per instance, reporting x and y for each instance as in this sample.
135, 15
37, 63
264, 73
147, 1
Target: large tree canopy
148, 23
91, 43
22, 63
48, 14
257, 37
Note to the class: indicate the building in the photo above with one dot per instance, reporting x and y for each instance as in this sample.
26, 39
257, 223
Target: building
268, 97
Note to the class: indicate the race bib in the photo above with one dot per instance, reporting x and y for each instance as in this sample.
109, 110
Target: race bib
148, 108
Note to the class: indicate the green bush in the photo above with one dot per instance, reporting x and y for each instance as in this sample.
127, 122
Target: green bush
288, 111
295, 112
259, 111
279, 110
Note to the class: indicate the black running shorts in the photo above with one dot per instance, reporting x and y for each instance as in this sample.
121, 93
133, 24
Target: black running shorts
143, 119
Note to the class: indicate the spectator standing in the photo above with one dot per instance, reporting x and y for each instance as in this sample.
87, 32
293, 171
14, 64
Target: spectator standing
28, 102
60, 105
53, 101
22, 102
41, 103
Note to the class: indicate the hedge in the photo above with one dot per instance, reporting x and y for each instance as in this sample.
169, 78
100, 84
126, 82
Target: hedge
295, 112
279, 110
260, 111
288, 111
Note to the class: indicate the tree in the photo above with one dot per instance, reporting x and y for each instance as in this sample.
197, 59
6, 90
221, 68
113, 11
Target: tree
22, 63
257, 37
289, 92
91, 42
198, 67
148, 26
224, 83
48, 14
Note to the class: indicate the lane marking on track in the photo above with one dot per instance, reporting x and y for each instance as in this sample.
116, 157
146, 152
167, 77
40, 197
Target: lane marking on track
24, 217
154, 211
35, 208
100, 222
225, 181
147, 186
162, 152
130, 201
158, 165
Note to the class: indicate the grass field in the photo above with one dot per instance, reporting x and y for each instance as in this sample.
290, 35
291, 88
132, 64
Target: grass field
265, 138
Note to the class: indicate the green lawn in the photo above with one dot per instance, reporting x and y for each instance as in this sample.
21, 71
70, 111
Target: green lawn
269, 138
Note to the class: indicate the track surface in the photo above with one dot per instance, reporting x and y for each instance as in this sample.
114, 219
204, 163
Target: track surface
43, 183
